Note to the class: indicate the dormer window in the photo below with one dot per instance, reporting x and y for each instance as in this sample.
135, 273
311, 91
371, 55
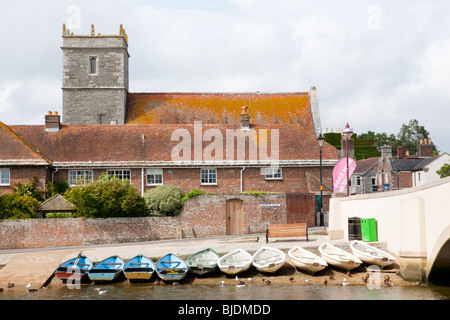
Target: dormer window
92, 65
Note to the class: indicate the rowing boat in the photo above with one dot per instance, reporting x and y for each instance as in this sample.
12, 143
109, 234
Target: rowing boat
235, 261
139, 269
107, 270
203, 261
75, 269
306, 260
268, 259
338, 257
371, 255
171, 268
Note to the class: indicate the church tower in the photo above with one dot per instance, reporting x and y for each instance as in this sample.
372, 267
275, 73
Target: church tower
95, 78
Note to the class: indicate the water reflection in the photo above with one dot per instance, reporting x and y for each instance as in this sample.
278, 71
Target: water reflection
218, 292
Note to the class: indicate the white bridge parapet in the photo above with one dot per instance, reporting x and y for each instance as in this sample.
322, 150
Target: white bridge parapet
413, 222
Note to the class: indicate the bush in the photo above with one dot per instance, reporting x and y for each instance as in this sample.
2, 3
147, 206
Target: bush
192, 194
164, 201
108, 197
16, 206
54, 188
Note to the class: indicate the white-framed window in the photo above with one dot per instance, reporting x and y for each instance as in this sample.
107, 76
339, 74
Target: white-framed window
4, 177
92, 65
208, 176
273, 173
80, 177
154, 177
120, 174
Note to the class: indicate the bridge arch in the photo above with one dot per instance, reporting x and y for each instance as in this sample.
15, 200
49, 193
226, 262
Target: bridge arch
438, 264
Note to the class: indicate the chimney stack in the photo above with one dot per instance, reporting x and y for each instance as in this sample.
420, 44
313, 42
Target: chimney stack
52, 121
425, 148
245, 119
400, 152
386, 151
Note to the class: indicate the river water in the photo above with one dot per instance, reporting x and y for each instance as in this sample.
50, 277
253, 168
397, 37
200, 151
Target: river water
126, 291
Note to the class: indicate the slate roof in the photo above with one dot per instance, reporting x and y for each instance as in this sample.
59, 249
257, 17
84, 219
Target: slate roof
219, 108
365, 165
135, 145
409, 164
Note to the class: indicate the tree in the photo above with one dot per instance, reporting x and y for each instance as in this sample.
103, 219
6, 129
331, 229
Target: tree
408, 137
16, 206
444, 171
108, 197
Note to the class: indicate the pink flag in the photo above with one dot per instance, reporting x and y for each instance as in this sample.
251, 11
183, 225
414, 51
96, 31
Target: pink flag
340, 174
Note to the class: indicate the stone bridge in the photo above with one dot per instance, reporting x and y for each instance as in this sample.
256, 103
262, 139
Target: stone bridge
414, 223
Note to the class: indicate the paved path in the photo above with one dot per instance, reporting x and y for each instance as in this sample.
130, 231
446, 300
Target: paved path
38, 265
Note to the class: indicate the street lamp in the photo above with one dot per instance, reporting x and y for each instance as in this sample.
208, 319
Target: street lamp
347, 134
320, 141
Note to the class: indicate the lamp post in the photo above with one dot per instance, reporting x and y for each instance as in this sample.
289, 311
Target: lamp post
320, 141
347, 134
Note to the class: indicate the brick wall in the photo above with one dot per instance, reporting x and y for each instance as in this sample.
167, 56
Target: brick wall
202, 216
294, 179
23, 174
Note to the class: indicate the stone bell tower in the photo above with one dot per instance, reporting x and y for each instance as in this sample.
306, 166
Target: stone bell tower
95, 78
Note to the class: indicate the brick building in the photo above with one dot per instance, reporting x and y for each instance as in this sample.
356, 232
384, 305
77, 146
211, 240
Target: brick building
217, 142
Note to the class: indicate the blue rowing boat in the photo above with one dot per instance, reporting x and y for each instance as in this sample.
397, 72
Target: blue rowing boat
171, 268
139, 269
75, 269
107, 270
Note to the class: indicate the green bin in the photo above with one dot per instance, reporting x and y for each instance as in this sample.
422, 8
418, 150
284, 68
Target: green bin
369, 230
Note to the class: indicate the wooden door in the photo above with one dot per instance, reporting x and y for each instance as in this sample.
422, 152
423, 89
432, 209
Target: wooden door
234, 217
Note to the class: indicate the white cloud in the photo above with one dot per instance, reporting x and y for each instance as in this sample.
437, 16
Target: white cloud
376, 64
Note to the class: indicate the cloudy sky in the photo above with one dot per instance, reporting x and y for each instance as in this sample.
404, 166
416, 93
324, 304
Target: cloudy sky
376, 64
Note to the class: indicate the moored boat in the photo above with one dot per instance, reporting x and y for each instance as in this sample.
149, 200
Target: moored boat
371, 255
171, 268
139, 269
107, 270
338, 257
235, 261
75, 269
268, 259
306, 260
203, 262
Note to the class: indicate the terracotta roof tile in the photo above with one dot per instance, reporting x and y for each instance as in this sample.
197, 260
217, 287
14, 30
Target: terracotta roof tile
225, 108
97, 143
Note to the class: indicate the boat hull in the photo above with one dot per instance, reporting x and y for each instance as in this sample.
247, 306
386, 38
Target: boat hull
203, 262
371, 255
72, 274
235, 262
338, 257
139, 269
171, 268
107, 270
104, 275
268, 260
306, 260
75, 269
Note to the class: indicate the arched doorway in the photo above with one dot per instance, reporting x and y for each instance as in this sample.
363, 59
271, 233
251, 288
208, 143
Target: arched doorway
234, 217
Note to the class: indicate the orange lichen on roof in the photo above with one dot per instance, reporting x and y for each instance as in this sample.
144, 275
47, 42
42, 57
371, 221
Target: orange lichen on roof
220, 108
15, 147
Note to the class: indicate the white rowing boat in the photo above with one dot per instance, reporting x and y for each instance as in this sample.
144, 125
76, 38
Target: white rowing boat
235, 261
306, 260
268, 259
370, 254
338, 257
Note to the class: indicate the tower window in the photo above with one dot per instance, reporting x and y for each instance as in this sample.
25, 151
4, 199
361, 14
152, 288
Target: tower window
92, 65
